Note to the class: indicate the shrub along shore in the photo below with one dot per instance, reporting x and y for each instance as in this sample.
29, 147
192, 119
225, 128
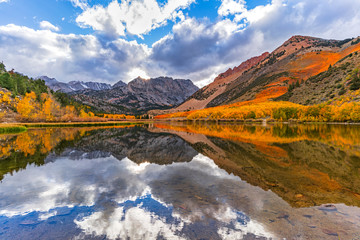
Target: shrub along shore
272, 111
5, 128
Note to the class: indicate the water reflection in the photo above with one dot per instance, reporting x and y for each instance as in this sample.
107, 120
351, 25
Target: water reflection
306, 165
172, 182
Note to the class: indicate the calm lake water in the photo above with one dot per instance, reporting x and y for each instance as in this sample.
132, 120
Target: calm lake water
183, 181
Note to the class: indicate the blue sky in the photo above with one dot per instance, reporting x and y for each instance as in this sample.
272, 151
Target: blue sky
107, 41
63, 14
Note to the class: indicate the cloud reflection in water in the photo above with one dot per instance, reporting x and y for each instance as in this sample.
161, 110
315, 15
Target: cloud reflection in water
142, 201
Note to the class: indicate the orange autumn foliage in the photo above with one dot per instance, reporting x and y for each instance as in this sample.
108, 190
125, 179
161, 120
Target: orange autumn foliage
86, 115
118, 116
5, 97
5, 100
68, 113
50, 108
305, 66
27, 107
47, 109
312, 63
280, 111
272, 92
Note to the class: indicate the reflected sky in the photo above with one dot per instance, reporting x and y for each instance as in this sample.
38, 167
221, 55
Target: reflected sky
125, 199
117, 190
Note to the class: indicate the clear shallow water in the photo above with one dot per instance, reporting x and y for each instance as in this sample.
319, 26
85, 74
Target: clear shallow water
181, 182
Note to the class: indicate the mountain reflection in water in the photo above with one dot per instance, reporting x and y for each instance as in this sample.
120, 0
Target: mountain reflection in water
186, 181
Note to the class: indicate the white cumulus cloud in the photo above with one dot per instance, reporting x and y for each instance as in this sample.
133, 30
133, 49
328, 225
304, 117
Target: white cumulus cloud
68, 56
231, 7
48, 26
131, 17
80, 3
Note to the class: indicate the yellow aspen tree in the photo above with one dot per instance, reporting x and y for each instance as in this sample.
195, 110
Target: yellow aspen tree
26, 106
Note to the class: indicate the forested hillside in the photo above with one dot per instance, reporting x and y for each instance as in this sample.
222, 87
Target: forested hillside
23, 99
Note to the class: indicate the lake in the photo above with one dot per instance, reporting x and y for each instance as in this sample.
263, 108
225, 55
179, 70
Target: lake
181, 181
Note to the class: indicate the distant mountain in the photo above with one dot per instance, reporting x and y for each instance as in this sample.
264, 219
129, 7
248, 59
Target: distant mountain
78, 86
139, 95
119, 84
55, 85
73, 86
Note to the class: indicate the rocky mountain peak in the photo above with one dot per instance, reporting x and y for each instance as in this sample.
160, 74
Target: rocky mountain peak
119, 84
140, 79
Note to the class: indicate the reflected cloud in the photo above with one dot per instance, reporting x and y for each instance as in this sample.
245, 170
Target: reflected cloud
110, 185
135, 223
66, 183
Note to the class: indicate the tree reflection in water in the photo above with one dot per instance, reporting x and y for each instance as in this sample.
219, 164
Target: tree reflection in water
186, 181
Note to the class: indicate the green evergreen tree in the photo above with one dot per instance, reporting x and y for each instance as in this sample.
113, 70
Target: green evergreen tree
2, 67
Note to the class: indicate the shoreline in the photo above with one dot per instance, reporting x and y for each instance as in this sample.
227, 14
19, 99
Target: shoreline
6, 128
246, 121
79, 124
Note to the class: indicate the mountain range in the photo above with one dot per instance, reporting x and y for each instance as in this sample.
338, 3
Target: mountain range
73, 86
304, 70
137, 97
